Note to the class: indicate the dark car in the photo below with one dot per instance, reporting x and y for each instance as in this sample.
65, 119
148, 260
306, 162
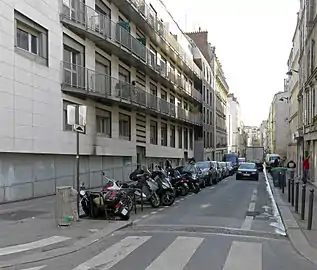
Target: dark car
230, 168
194, 172
217, 169
247, 170
208, 171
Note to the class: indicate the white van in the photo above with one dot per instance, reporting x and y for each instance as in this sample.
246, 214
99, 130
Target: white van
270, 158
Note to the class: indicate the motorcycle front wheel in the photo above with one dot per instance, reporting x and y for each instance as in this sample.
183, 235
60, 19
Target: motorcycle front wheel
155, 200
168, 198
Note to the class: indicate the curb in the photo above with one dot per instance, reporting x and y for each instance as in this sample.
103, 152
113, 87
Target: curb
294, 232
79, 245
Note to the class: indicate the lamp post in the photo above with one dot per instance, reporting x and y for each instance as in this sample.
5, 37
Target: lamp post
76, 117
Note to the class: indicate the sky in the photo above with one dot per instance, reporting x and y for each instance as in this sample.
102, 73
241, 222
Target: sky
253, 40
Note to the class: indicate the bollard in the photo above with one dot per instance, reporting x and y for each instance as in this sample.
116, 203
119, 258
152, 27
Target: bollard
283, 183
310, 209
303, 202
292, 192
134, 201
141, 199
296, 196
289, 190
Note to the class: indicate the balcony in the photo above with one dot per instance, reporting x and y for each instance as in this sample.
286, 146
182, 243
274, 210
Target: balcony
114, 38
147, 20
83, 82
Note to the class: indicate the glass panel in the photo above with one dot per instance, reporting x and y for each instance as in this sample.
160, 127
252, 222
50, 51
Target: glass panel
34, 44
22, 39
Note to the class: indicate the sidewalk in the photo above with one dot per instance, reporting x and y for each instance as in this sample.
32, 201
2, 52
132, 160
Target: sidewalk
30, 225
303, 240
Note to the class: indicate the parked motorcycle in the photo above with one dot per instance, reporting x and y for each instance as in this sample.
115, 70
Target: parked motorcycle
178, 182
165, 190
145, 187
113, 202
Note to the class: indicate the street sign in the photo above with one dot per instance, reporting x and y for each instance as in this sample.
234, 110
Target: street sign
82, 111
79, 128
71, 115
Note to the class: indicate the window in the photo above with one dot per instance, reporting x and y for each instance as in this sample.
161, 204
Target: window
185, 138
312, 54
153, 132
153, 89
185, 105
172, 99
163, 134
191, 139
124, 74
31, 39
163, 95
180, 137
103, 122
124, 127
172, 138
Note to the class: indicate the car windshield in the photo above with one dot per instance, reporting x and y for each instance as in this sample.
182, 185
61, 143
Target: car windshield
203, 164
189, 168
247, 166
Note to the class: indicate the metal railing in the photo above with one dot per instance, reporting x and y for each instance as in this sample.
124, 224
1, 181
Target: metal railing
118, 33
159, 27
92, 83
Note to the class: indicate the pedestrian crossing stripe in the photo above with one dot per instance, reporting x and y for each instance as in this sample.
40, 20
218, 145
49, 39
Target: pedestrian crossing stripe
33, 245
186, 247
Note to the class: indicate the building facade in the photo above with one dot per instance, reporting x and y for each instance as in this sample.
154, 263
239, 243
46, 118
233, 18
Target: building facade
205, 60
139, 82
233, 123
253, 135
277, 124
222, 91
263, 135
215, 91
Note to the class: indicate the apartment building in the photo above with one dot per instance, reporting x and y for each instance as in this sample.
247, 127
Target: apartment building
204, 57
222, 91
263, 135
277, 124
121, 59
233, 123
253, 135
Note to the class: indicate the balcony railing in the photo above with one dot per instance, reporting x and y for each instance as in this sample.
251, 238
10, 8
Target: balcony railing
118, 34
82, 80
159, 27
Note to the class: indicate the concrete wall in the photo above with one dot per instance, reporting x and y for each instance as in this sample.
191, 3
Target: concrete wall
24, 176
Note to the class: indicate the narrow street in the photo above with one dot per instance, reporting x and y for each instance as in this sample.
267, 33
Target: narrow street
230, 226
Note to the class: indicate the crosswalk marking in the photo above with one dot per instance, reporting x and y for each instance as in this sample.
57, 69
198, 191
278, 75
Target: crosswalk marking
35, 268
177, 255
244, 256
114, 254
33, 245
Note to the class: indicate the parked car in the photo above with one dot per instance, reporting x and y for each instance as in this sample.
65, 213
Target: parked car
247, 170
218, 170
208, 171
230, 168
225, 171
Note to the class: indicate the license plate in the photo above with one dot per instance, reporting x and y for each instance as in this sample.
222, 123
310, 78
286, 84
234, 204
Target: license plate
246, 174
124, 211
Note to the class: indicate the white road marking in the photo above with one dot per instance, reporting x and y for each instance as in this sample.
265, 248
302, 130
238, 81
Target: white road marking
33, 245
35, 268
154, 212
247, 223
114, 254
238, 253
137, 220
251, 207
205, 205
177, 255
145, 216
212, 188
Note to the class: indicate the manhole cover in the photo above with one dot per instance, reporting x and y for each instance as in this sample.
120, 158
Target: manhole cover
20, 214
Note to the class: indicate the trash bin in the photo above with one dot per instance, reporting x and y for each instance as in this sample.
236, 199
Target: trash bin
65, 205
279, 176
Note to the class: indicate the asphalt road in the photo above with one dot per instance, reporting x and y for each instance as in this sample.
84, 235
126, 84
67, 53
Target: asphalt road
230, 226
